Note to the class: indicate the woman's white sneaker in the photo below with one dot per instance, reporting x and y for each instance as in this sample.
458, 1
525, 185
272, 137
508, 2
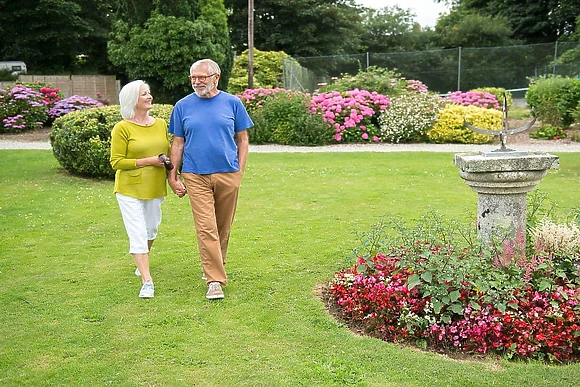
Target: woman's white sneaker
147, 290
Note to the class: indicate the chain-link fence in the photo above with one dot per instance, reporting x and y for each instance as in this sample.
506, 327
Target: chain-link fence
442, 71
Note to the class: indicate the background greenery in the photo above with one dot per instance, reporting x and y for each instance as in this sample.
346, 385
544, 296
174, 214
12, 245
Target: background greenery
158, 40
71, 315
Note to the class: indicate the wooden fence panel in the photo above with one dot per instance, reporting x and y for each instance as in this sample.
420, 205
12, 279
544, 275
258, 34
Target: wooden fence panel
83, 85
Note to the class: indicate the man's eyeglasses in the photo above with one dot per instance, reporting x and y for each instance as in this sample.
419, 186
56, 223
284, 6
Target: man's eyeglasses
201, 78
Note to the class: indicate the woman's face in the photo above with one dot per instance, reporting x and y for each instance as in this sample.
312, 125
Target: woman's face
145, 99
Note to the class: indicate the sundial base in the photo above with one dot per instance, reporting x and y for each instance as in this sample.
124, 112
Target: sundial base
504, 153
502, 183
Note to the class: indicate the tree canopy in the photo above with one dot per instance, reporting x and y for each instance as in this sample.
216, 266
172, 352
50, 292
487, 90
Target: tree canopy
161, 50
542, 21
472, 30
298, 27
55, 36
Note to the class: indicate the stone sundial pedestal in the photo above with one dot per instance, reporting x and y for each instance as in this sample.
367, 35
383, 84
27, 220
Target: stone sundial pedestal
502, 183
502, 178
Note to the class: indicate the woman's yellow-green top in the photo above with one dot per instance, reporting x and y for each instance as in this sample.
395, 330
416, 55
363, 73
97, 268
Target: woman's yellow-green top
130, 142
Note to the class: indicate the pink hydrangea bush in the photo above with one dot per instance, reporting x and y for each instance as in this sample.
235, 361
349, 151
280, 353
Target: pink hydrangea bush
254, 98
351, 114
51, 95
475, 98
459, 299
416, 86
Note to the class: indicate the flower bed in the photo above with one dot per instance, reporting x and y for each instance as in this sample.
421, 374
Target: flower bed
464, 300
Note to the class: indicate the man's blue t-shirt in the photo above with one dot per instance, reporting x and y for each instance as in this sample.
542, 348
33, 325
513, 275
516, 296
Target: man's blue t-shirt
208, 126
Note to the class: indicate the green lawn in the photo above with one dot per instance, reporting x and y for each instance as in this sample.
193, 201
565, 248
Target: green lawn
71, 315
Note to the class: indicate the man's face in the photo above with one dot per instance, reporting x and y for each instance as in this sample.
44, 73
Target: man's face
202, 81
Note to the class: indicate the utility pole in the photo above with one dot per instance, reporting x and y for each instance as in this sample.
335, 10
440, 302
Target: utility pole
250, 44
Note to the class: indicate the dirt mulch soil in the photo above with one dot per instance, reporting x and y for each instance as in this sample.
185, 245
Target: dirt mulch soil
40, 135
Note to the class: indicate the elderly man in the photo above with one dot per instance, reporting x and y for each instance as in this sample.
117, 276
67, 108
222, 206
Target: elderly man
210, 136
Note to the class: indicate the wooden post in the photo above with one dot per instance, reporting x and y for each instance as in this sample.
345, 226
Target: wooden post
250, 44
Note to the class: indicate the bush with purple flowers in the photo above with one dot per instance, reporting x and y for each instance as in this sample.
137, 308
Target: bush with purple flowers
21, 109
71, 104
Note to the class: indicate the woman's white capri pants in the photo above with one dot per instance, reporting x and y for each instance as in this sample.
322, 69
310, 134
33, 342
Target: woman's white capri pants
142, 219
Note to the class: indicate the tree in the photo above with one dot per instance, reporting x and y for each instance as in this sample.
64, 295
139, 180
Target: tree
385, 29
571, 57
55, 36
391, 29
297, 27
464, 29
161, 50
542, 21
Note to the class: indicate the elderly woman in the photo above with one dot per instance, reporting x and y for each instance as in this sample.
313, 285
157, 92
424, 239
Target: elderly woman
138, 146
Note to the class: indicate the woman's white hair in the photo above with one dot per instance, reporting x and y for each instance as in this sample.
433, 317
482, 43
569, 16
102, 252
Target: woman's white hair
128, 98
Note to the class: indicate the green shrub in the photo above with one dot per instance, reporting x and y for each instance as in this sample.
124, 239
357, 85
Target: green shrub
261, 133
377, 79
450, 127
498, 92
576, 113
6, 75
554, 99
548, 132
285, 118
267, 71
410, 117
81, 140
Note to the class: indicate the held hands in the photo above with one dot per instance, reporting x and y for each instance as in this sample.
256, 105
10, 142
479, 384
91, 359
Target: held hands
177, 187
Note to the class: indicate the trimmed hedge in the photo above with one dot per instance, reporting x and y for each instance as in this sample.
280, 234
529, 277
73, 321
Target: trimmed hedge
81, 140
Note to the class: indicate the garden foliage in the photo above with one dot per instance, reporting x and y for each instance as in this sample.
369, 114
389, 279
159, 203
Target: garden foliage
22, 109
380, 80
349, 116
285, 117
548, 132
409, 118
436, 286
499, 93
353, 114
450, 127
554, 99
81, 140
30, 106
71, 104
267, 71
474, 98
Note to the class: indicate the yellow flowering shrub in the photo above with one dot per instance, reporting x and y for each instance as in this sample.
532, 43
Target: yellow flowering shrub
449, 127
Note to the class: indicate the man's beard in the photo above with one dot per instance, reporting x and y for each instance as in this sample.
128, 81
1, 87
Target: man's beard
203, 91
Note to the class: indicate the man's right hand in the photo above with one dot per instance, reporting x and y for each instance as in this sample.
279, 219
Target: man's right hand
177, 187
